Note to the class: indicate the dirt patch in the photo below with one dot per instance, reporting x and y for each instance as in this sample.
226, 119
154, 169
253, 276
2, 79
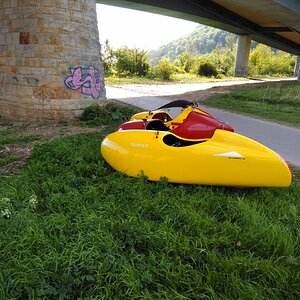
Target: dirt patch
18, 148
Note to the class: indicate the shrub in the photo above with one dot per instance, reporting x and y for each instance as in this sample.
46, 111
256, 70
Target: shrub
104, 114
130, 62
164, 69
207, 70
264, 61
184, 62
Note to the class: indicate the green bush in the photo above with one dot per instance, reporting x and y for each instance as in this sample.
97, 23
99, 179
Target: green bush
164, 69
104, 114
264, 61
130, 62
207, 70
184, 62
223, 60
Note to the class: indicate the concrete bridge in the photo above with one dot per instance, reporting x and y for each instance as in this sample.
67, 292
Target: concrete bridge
50, 63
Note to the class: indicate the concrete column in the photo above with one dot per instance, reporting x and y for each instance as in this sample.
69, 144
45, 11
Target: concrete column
242, 56
297, 67
50, 65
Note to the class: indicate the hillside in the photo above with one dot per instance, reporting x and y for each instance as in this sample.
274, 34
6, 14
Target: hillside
202, 40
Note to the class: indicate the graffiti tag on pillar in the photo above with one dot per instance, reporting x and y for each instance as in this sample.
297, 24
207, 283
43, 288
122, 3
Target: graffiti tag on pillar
25, 81
31, 81
88, 80
241, 71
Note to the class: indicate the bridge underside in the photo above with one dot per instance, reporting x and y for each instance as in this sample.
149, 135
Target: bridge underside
274, 23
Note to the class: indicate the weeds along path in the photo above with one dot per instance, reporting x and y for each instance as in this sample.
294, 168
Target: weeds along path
17, 140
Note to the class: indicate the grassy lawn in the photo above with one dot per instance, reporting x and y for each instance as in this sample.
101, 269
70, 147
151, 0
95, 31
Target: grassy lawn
6, 138
73, 228
276, 102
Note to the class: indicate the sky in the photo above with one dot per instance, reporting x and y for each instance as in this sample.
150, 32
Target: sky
137, 29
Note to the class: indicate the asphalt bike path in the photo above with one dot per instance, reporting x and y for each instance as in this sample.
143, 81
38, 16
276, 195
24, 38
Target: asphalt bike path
285, 140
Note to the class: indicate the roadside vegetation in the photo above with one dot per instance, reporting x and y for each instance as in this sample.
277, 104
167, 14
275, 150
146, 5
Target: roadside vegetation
125, 65
175, 78
73, 228
278, 102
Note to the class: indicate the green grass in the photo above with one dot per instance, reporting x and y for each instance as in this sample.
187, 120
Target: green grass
175, 78
73, 228
18, 140
13, 136
277, 102
7, 159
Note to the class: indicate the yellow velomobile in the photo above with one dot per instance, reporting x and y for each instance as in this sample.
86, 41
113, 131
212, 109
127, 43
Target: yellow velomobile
226, 159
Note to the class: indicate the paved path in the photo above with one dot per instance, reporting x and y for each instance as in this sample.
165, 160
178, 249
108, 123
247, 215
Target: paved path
284, 140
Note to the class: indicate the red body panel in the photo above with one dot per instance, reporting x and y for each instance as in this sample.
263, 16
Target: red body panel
134, 125
198, 126
195, 126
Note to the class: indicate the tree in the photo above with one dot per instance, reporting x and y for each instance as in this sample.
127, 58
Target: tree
207, 70
260, 60
164, 69
223, 60
108, 58
284, 63
264, 61
131, 62
204, 65
185, 61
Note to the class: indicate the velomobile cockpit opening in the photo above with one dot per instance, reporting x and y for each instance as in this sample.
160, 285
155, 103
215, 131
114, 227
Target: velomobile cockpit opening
164, 116
156, 125
174, 141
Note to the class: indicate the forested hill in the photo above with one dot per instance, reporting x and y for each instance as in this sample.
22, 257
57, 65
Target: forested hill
203, 39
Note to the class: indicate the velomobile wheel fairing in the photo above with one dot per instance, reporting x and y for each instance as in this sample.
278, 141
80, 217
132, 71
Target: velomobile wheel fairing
226, 159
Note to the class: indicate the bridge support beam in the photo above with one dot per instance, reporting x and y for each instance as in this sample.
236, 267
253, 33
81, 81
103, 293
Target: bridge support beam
50, 65
297, 67
242, 56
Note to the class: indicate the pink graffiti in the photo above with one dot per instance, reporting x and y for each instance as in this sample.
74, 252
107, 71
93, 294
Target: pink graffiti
89, 83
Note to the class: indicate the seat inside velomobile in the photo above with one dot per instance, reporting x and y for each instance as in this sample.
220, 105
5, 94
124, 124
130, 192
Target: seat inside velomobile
164, 116
174, 141
157, 125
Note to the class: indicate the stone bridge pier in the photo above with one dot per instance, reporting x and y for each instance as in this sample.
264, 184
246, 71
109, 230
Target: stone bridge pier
50, 64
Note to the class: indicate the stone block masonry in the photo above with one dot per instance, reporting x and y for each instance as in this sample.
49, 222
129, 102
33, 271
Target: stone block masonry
50, 64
